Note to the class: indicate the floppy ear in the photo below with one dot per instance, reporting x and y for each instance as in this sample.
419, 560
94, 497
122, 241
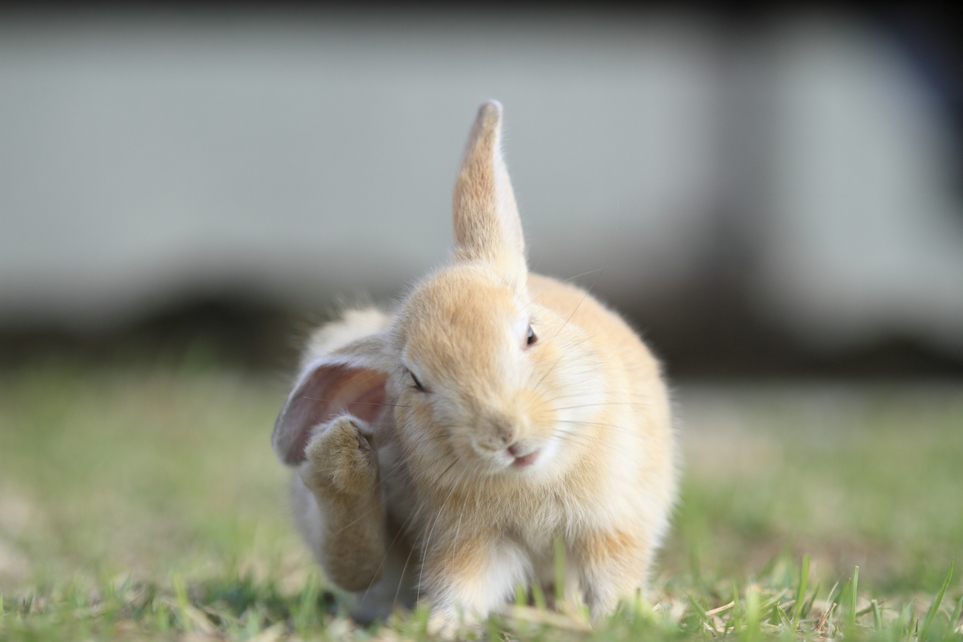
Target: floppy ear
486, 221
349, 380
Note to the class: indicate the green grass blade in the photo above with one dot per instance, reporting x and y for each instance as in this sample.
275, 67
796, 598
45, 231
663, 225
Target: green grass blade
701, 612
957, 612
494, 631
800, 591
853, 593
538, 596
305, 613
775, 614
753, 615
560, 564
521, 595
419, 621
877, 616
935, 607
180, 597
785, 620
736, 617
904, 622
808, 607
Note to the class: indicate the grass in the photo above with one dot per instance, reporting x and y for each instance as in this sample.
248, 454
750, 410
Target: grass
143, 504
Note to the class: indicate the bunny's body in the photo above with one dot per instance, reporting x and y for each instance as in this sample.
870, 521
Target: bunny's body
443, 449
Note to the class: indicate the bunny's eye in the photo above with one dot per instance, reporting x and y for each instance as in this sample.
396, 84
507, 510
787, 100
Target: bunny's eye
414, 380
532, 337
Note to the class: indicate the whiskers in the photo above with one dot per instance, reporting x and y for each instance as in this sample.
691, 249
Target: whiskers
584, 296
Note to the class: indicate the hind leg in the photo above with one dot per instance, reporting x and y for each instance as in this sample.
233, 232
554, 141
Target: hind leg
394, 588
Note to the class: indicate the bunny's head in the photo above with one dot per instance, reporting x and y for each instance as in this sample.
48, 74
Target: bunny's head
476, 374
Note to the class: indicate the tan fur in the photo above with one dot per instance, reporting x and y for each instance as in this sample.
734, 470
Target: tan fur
341, 472
509, 446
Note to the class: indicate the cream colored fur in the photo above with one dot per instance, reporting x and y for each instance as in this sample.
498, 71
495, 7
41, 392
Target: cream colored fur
456, 492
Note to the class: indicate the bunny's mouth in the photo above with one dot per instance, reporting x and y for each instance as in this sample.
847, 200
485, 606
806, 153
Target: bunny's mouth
520, 458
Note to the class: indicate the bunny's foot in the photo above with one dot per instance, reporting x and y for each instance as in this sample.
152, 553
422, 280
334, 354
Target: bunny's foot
341, 472
612, 567
341, 465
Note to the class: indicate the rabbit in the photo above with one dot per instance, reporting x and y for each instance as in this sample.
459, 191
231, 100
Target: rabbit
441, 449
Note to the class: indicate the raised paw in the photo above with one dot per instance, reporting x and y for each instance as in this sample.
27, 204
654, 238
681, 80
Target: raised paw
340, 460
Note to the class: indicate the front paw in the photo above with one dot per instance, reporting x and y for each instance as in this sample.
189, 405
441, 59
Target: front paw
340, 460
445, 623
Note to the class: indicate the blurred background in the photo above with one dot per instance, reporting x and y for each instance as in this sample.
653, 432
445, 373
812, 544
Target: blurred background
774, 198
768, 193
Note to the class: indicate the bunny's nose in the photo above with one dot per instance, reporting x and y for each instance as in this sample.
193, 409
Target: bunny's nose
504, 431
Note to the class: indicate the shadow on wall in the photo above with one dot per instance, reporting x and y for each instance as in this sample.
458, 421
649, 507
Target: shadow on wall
729, 343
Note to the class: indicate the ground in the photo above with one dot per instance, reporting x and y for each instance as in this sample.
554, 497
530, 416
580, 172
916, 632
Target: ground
145, 502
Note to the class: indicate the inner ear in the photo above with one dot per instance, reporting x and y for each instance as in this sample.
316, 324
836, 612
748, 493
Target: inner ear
328, 391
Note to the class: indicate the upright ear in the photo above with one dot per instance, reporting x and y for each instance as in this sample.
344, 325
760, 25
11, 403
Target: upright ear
487, 225
348, 380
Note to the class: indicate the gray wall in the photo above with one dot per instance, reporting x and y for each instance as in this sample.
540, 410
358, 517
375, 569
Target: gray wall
149, 158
